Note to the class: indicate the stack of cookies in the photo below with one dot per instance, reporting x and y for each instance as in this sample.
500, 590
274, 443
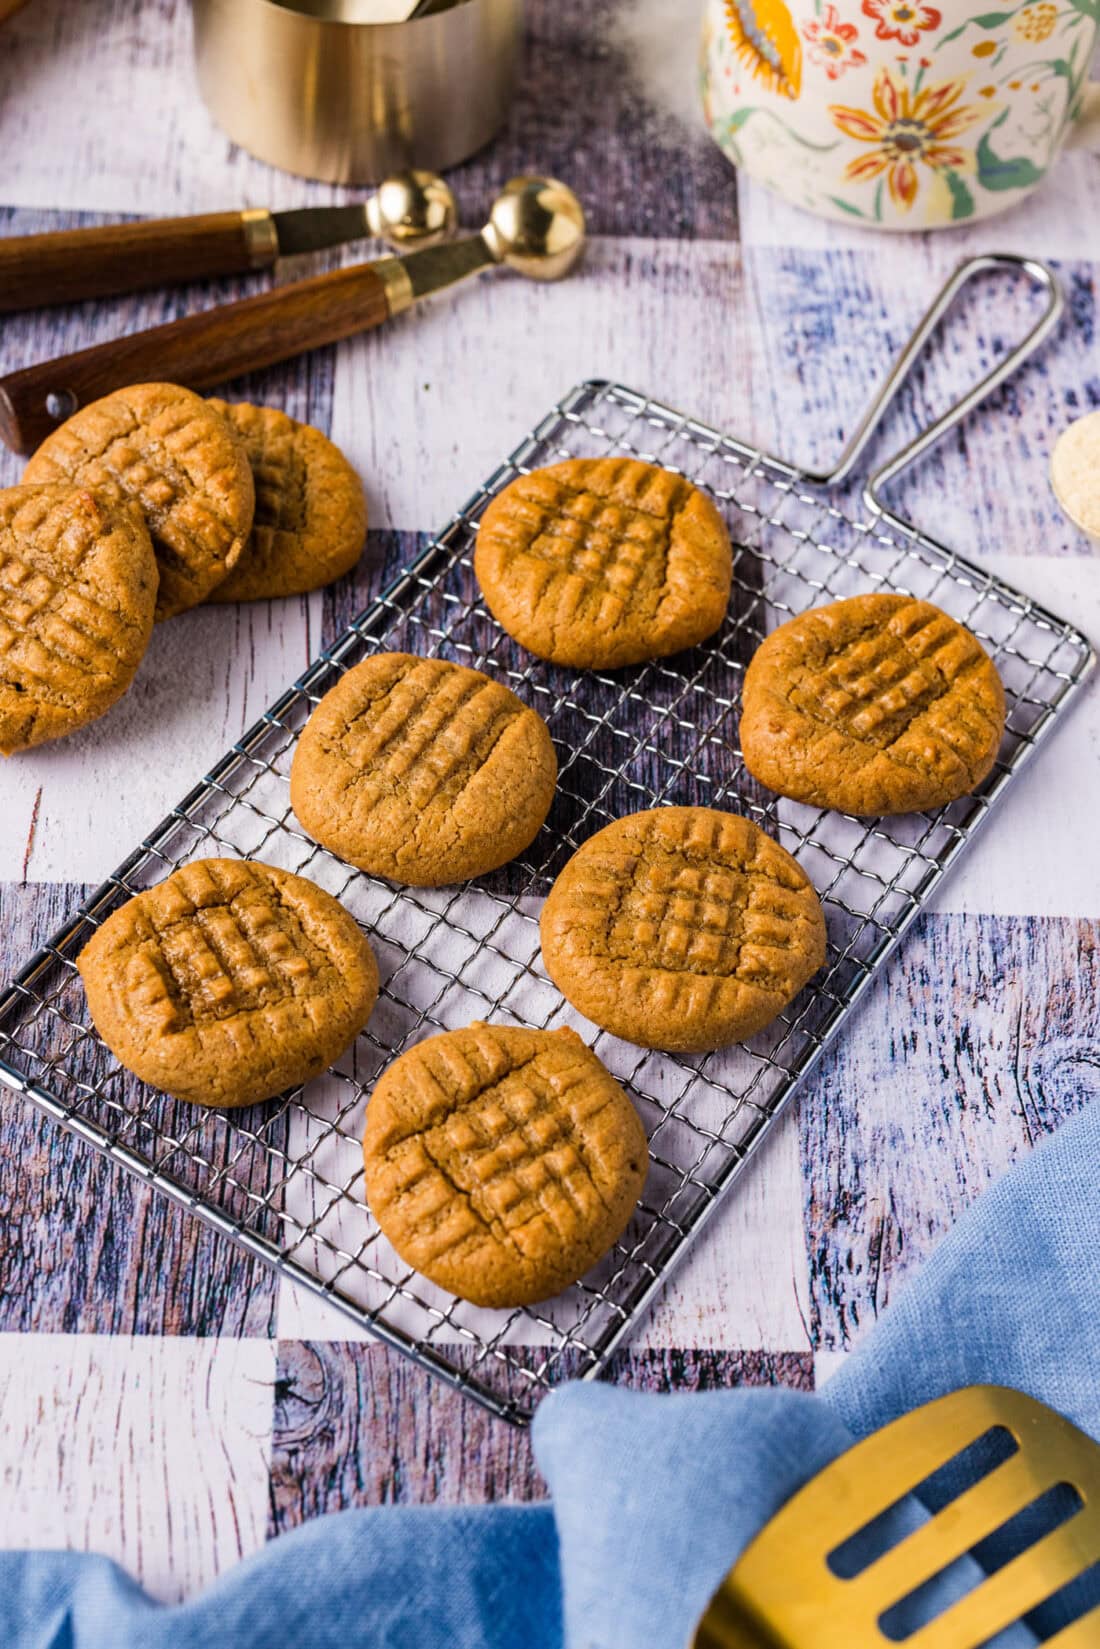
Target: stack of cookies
140, 506
503, 1163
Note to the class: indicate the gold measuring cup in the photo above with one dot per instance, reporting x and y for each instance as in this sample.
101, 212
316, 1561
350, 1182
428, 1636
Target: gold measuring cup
315, 87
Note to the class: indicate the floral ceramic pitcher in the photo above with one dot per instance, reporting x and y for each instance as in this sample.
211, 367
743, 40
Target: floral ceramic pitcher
899, 114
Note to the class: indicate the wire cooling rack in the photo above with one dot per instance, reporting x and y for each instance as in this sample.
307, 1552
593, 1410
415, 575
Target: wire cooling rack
284, 1179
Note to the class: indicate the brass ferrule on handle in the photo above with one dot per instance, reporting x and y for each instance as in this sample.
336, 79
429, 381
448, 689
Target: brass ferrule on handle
395, 278
261, 236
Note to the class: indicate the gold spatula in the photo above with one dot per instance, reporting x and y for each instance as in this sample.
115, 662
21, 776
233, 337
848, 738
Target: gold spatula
783, 1593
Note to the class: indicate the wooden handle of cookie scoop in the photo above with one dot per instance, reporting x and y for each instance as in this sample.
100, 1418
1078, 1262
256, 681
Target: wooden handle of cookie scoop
72, 264
200, 350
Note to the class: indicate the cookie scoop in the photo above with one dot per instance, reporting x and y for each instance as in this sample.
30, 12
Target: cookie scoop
536, 227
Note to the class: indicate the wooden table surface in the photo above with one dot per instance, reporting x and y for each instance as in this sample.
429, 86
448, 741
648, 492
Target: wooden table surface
169, 1401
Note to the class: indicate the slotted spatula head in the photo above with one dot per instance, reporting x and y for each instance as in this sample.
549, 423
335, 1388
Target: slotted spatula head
788, 1589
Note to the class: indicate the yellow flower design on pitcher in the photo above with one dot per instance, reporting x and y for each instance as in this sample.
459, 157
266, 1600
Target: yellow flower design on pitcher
766, 41
1037, 23
907, 128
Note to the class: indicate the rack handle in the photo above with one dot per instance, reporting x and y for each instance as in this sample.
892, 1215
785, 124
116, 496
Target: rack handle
1041, 276
204, 349
68, 265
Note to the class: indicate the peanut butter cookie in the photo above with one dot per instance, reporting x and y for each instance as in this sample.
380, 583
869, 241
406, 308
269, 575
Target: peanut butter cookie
879, 704
682, 928
229, 982
502, 1163
163, 448
78, 584
599, 562
311, 516
422, 771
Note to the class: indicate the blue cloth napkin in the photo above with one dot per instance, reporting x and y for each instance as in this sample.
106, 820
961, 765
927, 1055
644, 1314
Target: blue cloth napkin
652, 1497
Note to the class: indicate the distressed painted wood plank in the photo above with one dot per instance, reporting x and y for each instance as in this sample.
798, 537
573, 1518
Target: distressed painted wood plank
359, 1426
84, 1246
979, 1039
822, 327
1036, 859
580, 111
153, 1452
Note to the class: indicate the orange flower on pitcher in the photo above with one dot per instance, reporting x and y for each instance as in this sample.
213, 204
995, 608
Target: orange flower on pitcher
901, 20
907, 129
831, 43
766, 41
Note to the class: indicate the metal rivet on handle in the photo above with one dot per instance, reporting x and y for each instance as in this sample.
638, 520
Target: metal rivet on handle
61, 404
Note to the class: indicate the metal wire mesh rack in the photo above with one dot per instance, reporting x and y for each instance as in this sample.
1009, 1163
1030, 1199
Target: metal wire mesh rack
284, 1179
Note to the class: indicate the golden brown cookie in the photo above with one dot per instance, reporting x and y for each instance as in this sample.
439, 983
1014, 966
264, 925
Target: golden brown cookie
879, 704
163, 448
311, 516
422, 771
599, 562
501, 1163
229, 982
682, 928
78, 584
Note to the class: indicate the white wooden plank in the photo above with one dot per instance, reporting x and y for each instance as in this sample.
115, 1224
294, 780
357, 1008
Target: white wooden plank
428, 407
73, 809
827, 1362
745, 1284
1037, 857
154, 1452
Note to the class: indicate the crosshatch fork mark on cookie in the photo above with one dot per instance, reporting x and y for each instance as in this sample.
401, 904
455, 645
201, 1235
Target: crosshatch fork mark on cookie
874, 704
512, 1149
221, 951
622, 547
422, 771
154, 470
603, 562
668, 905
166, 450
429, 733
682, 927
877, 682
680, 914
502, 1161
49, 602
78, 585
